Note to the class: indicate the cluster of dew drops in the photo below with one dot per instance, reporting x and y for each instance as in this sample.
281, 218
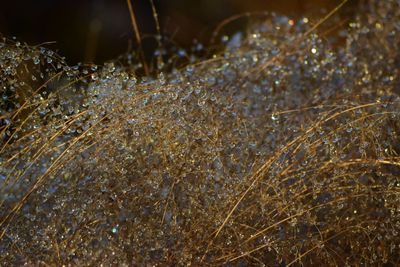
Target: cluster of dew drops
282, 148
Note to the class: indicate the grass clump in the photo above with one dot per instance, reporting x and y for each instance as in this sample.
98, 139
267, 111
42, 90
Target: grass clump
281, 150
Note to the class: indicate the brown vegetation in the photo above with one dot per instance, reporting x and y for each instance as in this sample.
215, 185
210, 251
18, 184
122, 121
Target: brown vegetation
281, 150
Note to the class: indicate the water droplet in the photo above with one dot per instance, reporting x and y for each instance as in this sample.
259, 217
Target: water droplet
313, 50
94, 76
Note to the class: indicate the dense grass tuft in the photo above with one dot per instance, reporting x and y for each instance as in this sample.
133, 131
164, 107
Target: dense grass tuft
283, 149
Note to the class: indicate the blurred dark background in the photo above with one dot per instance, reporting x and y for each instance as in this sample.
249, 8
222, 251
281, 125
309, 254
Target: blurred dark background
98, 30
